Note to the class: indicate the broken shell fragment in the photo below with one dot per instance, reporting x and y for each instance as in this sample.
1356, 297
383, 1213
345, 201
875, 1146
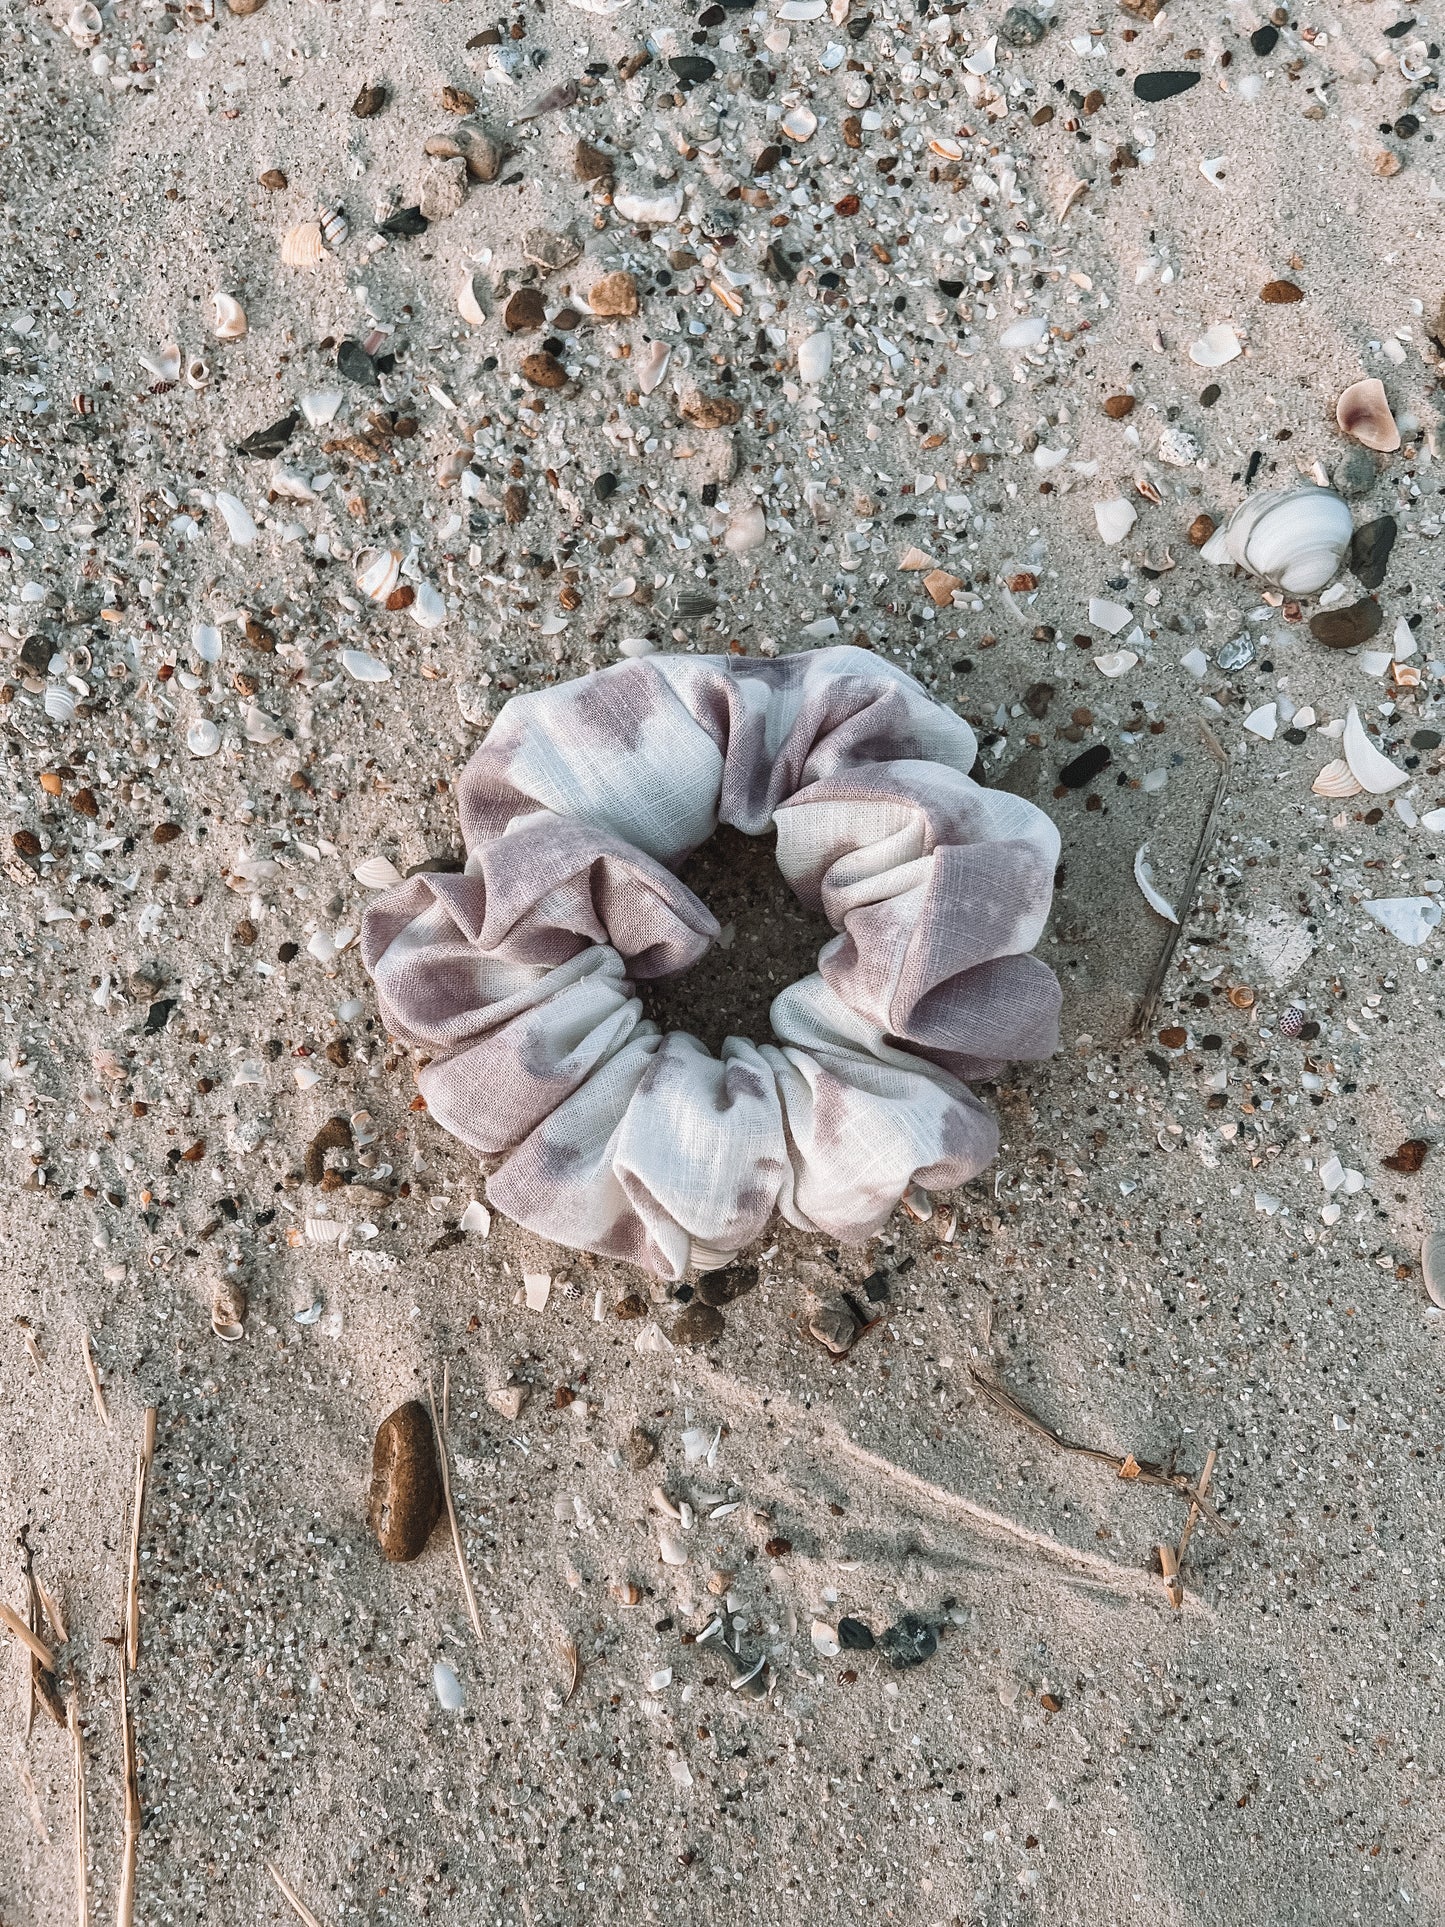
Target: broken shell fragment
198, 372
653, 366
1432, 1267
815, 358
230, 321
469, 301
228, 1311
321, 407
301, 246
747, 530
1114, 519
648, 206
377, 572
164, 365
1215, 347
1371, 769
84, 25
1295, 538
406, 1493
799, 123
1337, 781
1363, 412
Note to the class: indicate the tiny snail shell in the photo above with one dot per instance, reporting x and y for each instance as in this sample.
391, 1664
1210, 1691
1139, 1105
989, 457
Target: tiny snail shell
301, 246
1363, 412
228, 1311
334, 226
198, 372
377, 572
230, 322
84, 25
1295, 538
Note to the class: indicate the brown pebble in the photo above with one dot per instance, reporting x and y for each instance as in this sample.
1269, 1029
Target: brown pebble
406, 1488
722, 1287
1200, 530
165, 832
698, 1324
370, 101
614, 296
852, 131
639, 1448
634, 1305
338, 1052
590, 163
509, 1399
1051, 1703
334, 1135
1281, 294
26, 843
483, 155
1347, 628
245, 933
544, 371
456, 100
711, 411
1385, 164
52, 782
244, 7
273, 180
778, 1548
1174, 1037
1118, 406
832, 1323
85, 802
525, 310
515, 503
1410, 1156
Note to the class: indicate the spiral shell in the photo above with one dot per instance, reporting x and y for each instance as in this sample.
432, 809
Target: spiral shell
377, 572
198, 372
301, 246
1295, 538
84, 24
230, 322
334, 226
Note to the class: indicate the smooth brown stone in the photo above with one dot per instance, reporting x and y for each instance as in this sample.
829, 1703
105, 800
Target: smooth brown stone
1281, 294
525, 310
698, 1324
1347, 628
406, 1487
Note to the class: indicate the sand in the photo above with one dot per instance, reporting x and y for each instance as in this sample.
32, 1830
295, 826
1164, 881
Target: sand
1155, 1265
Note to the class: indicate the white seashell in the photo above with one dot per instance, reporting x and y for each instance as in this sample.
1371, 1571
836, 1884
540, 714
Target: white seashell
652, 366
377, 572
670, 1549
748, 529
648, 206
1023, 335
1144, 877
206, 641
230, 321
165, 364
291, 483
1114, 519
261, 728
1415, 62
1263, 722
334, 226
815, 358
802, 9
634, 647
799, 123
1432, 1267
321, 407
364, 668
198, 372
1108, 615
825, 1640
1215, 347
237, 517
377, 873
945, 148
1363, 411
1295, 538
1411, 919
84, 24
469, 303
203, 738
325, 1231
447, 1687
60, 702
603, 7
428, 610
475, 1218
1337, 780
301, 246
858, 91
1118, 662
982, 60
1372, 770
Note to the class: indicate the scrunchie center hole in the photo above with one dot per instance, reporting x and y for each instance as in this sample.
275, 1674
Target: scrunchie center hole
775, 941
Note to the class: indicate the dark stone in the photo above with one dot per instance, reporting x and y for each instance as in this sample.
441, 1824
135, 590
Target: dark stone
406, 1489
854, 1636
355, 363
1086, 766
910, 1642
875, 1288
700, 1324
758, 80
1347, 628
605, 486
722, 1287
1164, 84
1406, 127
1021, 28
1370, 548
691, 69
952, 289
370, 101
1425, 739
1294, 736
405, 221
639, 1448
159, 1014
1264, 40
1037, 698
777, 264
268, 442
1210, 395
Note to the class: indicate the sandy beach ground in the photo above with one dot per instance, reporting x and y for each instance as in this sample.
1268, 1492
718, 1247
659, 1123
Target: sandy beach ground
1192, 1240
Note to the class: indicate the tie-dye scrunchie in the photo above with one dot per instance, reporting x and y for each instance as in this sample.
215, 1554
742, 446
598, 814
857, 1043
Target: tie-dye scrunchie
516, 975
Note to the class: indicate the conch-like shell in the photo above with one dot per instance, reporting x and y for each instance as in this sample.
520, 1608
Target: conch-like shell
1295, 538
198, 372
1364, 412
1337, 780
230, 322
334, 226
301, 246
377, 573
84, 24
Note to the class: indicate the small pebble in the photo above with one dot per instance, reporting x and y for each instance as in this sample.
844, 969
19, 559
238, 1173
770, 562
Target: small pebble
406, 1492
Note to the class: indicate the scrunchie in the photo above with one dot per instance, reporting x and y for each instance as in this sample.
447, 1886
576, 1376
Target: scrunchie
516, 975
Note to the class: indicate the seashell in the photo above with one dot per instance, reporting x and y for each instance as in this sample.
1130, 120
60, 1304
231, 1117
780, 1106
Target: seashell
984, 58
377, 873
230, 321
301, 246
405, 1500
652, 366
815, 358
60, 702
1363, 412
1414, 61
946, 149
799, 123
469, 301
670, 1549
1371, 769
747, 530
291, 483
321, 407
198, 372
206, 641
1023, 335
165, 365
1117, 662
203, 738
228, 1310
82, 404
1114, 519
334, 226
1410, 919
648, 207
1215, 347
452, 465
84, 24
377, 572
364, 668
428, 610
237, 517
1295, 538
1432, 1267
1337, 781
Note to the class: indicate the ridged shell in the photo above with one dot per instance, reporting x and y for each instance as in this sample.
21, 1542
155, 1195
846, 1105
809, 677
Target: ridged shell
301, 246
1337, 781
1295, 538
377, 873
230, 322
377, 572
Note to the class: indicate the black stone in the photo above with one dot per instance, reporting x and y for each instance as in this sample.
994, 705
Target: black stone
1399, 30
1407, 126
1347, 628
859, 25
1210, 395
605, 486
1086, 766
1264, 40
910, 1642
1165, 84
777, 264
267, 442
1425, 739
159, 1014
875, 1288
1294, 736
854, 1636
691, 69
406, 220
953, 289
1370, 547
722, 1287
355, 363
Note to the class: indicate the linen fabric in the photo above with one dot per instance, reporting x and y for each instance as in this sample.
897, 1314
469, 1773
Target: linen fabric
516, 976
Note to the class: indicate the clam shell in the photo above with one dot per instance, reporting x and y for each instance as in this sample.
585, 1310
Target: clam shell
203, 738
1363, 412
377, 873
1432, 1266
377, 572
815, 358
230, 321
228, 1311
1295, 538
428, 609
1215, 346
301, 246
799, 123
1336, 780
364, 668
60, 702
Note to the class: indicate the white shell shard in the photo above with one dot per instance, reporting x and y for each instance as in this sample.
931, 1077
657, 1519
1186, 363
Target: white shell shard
230, 317
1370, 768
1294, 538
815, 358
981, 60
635, 646
206, 641
1109, 616
1114, 519
165, 364
670, 1549
60, 702
475, 1218
291, 483
1144, 877
1411, 919
1263, 721
377, 572
1023, 335
799, 123
748, 529
469, 304
237, 517
261, 728
198, 373
603, 7
321, 407
652, 365
1215, 346
203, 738
649, 206
1337, 781
429, 609
1432, 1267
377, 873
364, 668
802, 9
447, 1687
1118, 662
